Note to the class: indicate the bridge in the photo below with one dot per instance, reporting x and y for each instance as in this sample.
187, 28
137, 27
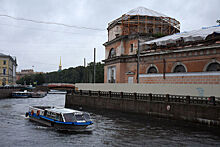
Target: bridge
56, 86
61, 86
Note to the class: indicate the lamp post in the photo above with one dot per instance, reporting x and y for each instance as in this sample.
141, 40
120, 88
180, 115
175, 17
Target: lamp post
138, 60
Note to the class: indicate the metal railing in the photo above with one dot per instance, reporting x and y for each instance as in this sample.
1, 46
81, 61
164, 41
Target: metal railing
212, 100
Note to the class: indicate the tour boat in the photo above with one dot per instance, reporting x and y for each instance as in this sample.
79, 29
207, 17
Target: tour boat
21, 94
38, 94
59, 118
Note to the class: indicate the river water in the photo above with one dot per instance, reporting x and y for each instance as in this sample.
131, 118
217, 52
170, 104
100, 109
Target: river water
109, 129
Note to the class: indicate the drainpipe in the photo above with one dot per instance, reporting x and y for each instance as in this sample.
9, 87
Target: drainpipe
164, 69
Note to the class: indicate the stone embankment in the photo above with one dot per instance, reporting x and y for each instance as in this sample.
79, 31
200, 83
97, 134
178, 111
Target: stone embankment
5, 92
205, 110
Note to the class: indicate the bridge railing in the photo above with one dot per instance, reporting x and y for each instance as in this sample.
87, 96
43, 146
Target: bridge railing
151, 97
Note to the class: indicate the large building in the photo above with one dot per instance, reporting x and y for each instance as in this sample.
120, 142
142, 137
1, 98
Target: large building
8, 66
125, 33
186, 58
178, 58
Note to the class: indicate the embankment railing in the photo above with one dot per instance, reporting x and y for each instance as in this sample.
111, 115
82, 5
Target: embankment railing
212, 100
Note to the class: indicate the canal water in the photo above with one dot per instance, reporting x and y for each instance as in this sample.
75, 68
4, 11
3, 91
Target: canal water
110, 129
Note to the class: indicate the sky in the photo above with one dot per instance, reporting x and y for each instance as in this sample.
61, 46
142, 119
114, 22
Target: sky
39, 46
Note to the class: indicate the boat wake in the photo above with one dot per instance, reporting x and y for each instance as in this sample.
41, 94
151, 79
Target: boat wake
42, 128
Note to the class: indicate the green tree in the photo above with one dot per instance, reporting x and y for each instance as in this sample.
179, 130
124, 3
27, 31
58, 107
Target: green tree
77, 74
218, 21
39, 79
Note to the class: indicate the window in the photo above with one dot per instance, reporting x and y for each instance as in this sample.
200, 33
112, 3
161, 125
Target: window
79, 117
179, 68
112, 53
4, 71
87, 117
131, 49
152, 69
69, 117
4, 62
130, 79
111, 74
213, 67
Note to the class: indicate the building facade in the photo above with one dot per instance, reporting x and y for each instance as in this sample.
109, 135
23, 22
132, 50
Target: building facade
187, 58
7, 70
124, 37
178, 58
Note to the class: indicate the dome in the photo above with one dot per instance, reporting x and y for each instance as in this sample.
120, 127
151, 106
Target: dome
145, 11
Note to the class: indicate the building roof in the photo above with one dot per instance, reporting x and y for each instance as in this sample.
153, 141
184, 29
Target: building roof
194, 35
1, 54
142, 11
145, 11
8, 56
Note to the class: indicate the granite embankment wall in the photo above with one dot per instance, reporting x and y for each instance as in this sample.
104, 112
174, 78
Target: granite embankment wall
6, 92
204, 110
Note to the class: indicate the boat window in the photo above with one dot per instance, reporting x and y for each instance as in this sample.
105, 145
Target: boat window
79, 117
69, 117
53, 115
57, 117
87, 117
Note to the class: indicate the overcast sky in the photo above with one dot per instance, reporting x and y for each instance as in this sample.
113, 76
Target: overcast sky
41, 45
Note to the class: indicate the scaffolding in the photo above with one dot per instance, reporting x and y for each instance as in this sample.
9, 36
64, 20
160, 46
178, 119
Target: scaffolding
132, 24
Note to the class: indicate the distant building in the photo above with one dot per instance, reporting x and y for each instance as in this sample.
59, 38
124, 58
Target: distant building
8, 66
60, 66
25, 72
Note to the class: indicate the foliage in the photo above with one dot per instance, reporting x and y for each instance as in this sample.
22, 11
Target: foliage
218, 21
78, 74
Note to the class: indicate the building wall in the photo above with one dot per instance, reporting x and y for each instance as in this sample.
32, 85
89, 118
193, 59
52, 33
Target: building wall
9, 77
4, 77
173, 89
192, 62
114, 32
194, 59
182, 78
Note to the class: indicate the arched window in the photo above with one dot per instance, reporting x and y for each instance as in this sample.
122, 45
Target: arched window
112, 53
213, 67
179, 68
152, 69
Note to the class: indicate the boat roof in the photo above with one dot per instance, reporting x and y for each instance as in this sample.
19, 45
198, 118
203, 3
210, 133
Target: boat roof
62, 110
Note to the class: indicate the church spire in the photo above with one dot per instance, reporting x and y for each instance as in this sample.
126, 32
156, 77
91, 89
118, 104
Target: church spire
60, 66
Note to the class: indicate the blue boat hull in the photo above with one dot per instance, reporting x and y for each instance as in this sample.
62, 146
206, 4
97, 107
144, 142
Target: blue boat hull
65, 126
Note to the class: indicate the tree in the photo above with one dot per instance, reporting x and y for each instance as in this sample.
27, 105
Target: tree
74, 75
218, 21
39, 79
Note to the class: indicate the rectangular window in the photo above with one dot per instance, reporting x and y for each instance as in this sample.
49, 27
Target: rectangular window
111, 74
4, 71
4, 62
130, 79
131, 50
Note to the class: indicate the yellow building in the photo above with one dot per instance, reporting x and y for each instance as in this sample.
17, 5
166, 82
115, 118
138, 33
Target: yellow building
7, 70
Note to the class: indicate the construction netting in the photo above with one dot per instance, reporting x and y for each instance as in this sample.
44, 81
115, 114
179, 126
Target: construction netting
194, 35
